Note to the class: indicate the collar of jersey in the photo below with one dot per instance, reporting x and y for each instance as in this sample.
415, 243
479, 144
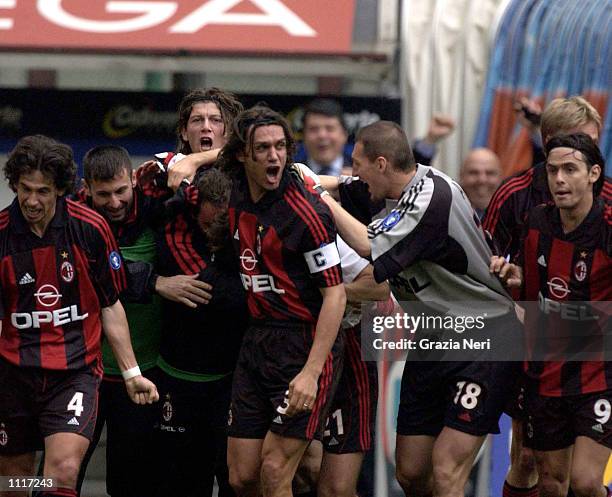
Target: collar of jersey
595, 215
22, 226
421, 171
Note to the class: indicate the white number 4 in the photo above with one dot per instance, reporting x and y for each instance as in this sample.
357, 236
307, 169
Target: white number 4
470, 391
76, 404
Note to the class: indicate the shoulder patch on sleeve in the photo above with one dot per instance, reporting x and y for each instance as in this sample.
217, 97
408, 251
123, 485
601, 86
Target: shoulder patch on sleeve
115, 260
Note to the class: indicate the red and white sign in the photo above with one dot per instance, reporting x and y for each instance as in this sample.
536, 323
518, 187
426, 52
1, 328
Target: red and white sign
289, 26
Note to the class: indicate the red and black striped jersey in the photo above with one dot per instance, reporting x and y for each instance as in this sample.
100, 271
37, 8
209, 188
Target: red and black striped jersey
564, 272
54, 287
512, 202
286, 248
206, 342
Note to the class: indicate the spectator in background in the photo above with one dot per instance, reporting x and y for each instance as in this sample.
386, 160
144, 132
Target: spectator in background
479, 177
424, 149
326, 134
529, 115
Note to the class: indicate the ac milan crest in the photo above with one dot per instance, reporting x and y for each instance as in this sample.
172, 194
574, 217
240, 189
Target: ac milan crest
580, 270
167, 409
67, 271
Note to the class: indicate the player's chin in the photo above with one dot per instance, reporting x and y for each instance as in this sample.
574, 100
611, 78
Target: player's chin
564, 201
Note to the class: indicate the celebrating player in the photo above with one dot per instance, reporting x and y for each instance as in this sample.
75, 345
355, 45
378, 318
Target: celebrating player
430, 247
133, 217
288, 363
60, 276
566, 258
504, 220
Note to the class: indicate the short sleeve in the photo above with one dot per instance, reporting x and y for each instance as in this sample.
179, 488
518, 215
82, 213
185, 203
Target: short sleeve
352, 263
413, 231
107, 265
318, 244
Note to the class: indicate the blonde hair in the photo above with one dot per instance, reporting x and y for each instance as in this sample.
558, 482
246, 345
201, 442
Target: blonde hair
565, 114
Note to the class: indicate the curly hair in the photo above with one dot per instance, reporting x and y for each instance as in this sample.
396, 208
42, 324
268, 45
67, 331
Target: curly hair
41, 153
241, 139
228, 104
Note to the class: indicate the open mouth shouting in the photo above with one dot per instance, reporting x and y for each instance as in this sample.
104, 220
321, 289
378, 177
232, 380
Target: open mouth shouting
33, 214
206, 143
273, 175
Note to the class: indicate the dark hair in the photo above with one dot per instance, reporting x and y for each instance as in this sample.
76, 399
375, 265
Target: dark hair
326, 107
228, 104
387, 139
41, 153
241, 139
215, 187
105, 162
589, 149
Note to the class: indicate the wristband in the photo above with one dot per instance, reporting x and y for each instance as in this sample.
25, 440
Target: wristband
344, 179
128, 374
320, 190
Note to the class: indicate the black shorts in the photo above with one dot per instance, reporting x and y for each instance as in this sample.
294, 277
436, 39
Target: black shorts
350, 425
130, 442
515, 407
188, 407
467, 396
553, 423
36, 403
270, 357
192, 434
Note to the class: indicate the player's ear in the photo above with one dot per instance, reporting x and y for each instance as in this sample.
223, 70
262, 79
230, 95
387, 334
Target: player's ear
594, 173
240, 157
184, 135
86, 186
382, 164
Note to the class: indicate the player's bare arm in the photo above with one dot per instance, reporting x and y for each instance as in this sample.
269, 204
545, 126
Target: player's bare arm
116, 330
352, 231
364, 287
303, 388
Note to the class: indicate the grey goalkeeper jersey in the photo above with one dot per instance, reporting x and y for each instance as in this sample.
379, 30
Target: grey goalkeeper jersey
430, 247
